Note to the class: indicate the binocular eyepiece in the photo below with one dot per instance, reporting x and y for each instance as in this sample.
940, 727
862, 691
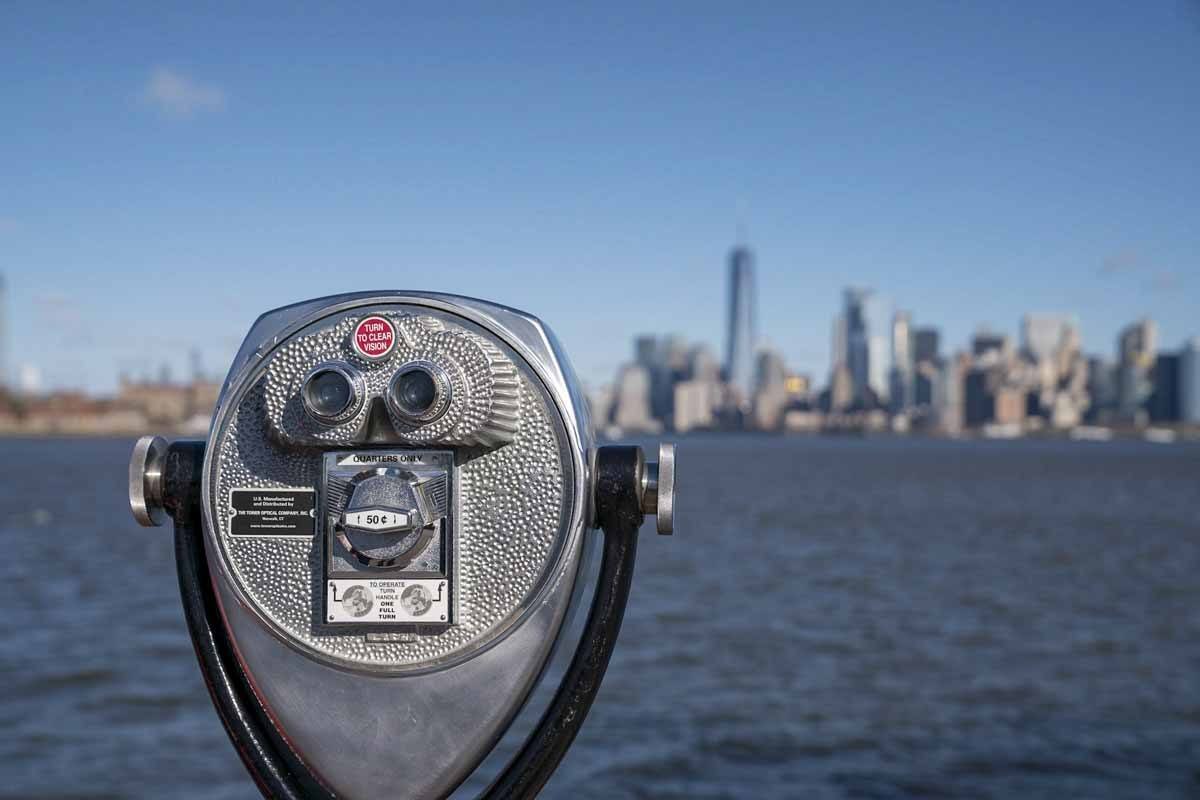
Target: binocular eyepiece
418, 393
382, 538
332, 393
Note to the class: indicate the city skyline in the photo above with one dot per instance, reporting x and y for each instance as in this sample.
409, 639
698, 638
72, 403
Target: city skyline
888, 374
187, 362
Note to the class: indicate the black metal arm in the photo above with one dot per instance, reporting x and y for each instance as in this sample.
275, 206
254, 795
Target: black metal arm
271, 763
618, 508
276, 769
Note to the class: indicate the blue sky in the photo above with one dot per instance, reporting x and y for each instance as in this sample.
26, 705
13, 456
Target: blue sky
167, 174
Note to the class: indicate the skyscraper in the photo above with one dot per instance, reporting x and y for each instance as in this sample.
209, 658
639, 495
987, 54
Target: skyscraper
989, 346
1044, 335
1102, 389
838, 353
1189, 381
947, 396
1050, 343
770, 390
902, 394
925, 345
671, 368
645, 350
739, 341
700, 395
1163, 403
868, 345
1135, 354
631, 401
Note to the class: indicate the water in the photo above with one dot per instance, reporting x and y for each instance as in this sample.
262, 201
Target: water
834, 618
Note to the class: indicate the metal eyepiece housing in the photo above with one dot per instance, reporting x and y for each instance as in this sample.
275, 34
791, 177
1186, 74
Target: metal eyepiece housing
419, 392
332, 392
418, 378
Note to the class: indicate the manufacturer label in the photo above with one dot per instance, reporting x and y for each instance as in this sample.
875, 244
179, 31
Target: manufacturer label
360, 601
272, 512
374, 338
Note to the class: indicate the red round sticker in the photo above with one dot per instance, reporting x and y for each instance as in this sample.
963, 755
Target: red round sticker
374, 337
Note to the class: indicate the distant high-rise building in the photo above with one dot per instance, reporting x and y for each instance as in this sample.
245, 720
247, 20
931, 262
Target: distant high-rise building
770, 369
988, 345
868, 345
1136, 347
631, 401
925, 345
1101, 389
901, 389
924, 380
674, 352
702, 365
947, 395
770, 390
989, 399
1163, 404
694, 404
978, 398
1189, 381
665, 360
840, 394
838, 353
645, 350
740, 334
698, 397
1044, 335
1050, 344
600, 405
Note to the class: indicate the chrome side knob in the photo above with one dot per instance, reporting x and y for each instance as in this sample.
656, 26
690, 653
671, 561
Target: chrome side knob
145, 481
658, 489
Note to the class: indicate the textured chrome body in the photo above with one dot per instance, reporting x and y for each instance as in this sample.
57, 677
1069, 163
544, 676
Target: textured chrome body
412, 716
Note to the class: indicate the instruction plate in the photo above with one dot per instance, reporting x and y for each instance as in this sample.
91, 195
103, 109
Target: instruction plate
389, 600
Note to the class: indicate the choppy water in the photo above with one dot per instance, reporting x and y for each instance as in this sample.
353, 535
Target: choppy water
834, 618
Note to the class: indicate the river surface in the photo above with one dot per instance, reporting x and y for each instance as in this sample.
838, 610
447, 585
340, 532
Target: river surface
870, 618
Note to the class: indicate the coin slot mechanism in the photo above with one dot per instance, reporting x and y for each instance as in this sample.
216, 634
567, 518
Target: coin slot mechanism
387, 534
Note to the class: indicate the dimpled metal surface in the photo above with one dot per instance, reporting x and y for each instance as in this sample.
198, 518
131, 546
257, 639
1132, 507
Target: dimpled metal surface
512, 510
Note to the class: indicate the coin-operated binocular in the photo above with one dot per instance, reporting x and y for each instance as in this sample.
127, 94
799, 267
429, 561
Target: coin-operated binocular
381, 539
